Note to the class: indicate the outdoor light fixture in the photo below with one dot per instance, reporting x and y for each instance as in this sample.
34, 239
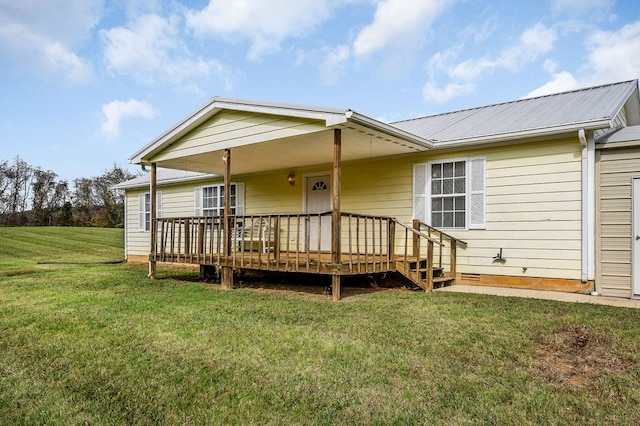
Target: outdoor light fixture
291, 179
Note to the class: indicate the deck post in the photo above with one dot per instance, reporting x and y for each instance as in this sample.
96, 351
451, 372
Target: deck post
227, 271
154, 225
429, 267
416, 238
452, 258
336, 220
335, 287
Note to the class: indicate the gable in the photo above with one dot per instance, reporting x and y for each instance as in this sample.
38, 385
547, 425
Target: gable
233, 129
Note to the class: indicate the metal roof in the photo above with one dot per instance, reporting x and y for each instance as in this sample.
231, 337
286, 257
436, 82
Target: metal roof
589, 108
164, 176
620, 135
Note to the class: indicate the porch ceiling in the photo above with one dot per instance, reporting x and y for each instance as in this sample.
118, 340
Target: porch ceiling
316, 148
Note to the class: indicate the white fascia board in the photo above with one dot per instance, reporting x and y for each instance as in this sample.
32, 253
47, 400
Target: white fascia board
165, 182
201, 114
389, 129
329, 115
567, 128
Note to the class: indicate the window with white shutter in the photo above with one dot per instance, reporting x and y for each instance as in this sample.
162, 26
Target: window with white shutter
450, 194
144, 210
209, 200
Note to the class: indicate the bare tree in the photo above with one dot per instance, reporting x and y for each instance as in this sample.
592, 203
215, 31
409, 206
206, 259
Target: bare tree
48, 196
16, 195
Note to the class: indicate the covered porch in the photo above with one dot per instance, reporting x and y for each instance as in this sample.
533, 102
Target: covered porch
232, 138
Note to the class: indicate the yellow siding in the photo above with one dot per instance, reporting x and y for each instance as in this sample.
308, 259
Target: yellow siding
231, 129
532, 204
138, 243
616, 168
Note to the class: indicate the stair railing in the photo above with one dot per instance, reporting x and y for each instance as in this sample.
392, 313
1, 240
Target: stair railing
413, 242
442, 237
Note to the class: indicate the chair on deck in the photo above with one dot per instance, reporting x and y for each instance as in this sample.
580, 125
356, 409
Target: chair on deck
259, 232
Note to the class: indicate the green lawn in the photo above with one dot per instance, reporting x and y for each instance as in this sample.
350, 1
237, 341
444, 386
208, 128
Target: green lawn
102, 344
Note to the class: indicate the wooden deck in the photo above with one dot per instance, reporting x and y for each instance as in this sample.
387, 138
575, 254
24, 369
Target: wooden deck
289, 244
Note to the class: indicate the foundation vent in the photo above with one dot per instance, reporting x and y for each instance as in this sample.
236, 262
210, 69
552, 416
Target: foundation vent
472, 278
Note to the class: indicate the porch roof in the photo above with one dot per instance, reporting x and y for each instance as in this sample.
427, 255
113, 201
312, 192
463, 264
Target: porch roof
267, 136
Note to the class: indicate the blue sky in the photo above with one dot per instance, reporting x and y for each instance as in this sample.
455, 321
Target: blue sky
86, 83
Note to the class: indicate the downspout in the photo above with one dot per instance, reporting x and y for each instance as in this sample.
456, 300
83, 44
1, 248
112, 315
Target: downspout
588, 206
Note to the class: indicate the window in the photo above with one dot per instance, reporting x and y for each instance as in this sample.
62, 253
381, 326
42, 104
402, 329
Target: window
210, 200
450, 194
144, 210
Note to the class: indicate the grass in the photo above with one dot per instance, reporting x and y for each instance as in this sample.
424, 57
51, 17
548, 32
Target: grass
102, 344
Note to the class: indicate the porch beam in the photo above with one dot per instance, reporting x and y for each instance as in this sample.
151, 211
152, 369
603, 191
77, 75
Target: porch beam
227, 272
154, 225
336, 228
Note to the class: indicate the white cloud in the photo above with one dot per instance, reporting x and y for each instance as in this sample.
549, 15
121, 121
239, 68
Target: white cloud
333, 64
533, 43
116, 111
561, 82
43, 38
433, 93
396, 21
266, 24
151, 51
612, 56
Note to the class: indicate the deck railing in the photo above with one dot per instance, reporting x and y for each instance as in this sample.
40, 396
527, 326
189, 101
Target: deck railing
302, 243
447, 248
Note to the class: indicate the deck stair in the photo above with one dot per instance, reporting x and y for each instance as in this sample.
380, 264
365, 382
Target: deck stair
416, 272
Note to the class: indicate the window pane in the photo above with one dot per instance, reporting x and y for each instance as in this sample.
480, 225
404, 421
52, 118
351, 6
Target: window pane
448, 204
447, 186
447, 170
460, 168
447, 219
436, 171
436, 187
436, 219
459, 186
459, 218
436, 204
459, 202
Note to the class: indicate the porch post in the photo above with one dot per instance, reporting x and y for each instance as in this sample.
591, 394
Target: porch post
227, 271
154, 225
336, 252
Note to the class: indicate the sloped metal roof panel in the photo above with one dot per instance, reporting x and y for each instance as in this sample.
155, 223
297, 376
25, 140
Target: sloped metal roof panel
624, 134
584, 106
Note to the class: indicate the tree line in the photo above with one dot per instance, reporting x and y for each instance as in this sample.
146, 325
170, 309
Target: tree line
31, 196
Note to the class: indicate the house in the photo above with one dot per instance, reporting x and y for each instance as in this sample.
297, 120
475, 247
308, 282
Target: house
534, 193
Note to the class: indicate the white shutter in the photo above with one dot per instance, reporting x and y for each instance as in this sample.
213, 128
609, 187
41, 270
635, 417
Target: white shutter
477, 172
141, 204
198, 200
420, 192
239, 198
158, 203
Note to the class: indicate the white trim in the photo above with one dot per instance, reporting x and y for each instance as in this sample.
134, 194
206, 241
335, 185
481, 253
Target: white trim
588, 205
591, 209
331, 116
635, 230
199, 201
426, 194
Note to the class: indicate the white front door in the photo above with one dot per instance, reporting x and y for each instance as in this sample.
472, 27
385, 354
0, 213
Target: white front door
318, 200
635, 237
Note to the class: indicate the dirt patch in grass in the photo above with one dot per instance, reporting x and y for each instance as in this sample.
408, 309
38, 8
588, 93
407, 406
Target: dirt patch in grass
576, 356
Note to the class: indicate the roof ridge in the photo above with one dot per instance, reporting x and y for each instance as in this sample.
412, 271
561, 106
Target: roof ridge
583, 89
